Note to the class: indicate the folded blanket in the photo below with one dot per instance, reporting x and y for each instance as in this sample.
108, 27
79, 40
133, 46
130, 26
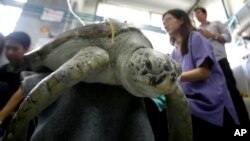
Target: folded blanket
91, 112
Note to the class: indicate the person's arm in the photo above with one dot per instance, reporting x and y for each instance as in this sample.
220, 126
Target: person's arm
206, 33
222, 35
200, 73
218, 37
212, 35
12, 104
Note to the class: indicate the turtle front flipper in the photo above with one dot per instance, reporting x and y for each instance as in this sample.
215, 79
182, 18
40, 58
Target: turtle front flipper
179, 117
85, 63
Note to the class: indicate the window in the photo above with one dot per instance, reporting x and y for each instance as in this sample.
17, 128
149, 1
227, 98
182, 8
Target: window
156, 19
8, 17
123, 13
159, 41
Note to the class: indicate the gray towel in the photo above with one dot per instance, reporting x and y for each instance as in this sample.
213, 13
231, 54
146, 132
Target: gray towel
91, 112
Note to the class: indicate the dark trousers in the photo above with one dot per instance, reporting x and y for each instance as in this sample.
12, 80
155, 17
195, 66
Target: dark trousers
205, 131
157, 119
235, 94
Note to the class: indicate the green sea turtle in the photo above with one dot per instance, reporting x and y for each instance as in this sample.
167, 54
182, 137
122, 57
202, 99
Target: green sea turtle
111, 53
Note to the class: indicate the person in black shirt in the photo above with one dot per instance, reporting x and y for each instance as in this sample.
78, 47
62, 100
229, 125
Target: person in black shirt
16, 45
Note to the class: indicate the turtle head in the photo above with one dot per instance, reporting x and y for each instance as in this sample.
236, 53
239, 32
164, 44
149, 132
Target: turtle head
150, 73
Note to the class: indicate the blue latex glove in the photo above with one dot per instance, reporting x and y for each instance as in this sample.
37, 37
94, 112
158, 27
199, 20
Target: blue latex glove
160, 102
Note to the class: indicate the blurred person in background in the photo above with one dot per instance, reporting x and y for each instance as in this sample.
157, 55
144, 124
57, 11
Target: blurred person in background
16, 45
202, 80
217, 34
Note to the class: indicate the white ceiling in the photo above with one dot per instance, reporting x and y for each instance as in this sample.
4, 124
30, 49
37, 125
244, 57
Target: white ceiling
159, 6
